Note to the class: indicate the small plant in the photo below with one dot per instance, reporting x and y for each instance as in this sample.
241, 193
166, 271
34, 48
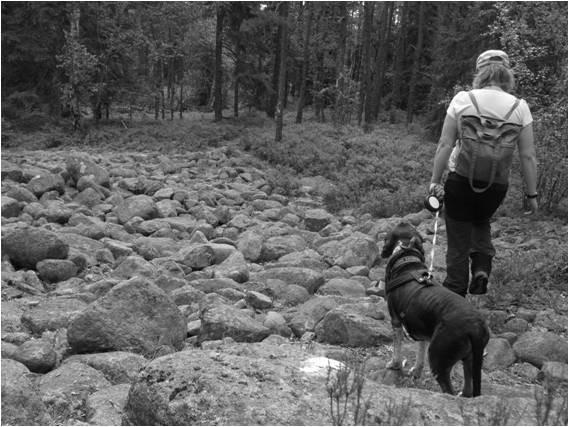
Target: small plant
551, 404
345, 386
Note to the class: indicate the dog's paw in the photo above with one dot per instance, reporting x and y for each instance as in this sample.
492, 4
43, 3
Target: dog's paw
396, 365
416, 371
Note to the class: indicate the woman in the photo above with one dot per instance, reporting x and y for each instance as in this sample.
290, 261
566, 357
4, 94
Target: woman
468, 212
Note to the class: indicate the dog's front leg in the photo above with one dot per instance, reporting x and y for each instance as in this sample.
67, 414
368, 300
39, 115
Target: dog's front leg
396, 361
417, 368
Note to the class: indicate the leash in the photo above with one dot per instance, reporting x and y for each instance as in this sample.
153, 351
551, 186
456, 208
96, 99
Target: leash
431, 266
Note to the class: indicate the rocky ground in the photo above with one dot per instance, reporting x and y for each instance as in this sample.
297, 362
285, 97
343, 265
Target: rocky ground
140, 288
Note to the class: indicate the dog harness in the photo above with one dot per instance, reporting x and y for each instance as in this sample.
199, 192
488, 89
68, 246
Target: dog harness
420, 275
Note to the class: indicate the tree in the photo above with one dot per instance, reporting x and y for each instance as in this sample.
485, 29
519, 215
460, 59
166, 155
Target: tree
283, 9
305, 61
366, 58
416, 64
218, 102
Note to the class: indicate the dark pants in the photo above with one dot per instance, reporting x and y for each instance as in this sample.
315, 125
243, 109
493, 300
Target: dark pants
467, 218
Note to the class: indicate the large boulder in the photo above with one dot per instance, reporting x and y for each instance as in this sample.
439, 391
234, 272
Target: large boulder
142, 206
250, 384
310, 279
26, 246
105, 407
347, 325
21, 404
135, 315
117, 366
45, 182
220, 321
80, 165
65, 388
537, 347
52, 314
354, 250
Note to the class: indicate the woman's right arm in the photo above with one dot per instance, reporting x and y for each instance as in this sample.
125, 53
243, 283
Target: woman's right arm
528, 161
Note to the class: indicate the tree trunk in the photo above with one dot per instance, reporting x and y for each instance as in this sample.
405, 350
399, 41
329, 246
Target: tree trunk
218, 76
181, 96
340, 101
366, 56
273, 96
382, 57
305, 62
236, 84
282, 72
399, 53
416, 65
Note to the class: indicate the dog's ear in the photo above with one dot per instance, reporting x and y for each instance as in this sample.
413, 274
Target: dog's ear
388, 245
417, 242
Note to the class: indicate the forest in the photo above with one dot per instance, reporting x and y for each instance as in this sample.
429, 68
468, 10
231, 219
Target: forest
350, 63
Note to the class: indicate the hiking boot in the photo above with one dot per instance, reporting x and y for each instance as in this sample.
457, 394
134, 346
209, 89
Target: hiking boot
479, 284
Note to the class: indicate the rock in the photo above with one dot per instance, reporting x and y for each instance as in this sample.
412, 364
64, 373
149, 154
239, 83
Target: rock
309, 279
118, 367
11, 171
197, 256
21, 194
38, 355
10, 207
106, 406
81, 165
56, 270
308, 315
316, 219
134, 315
88, 197
554, 371
9, 350
52, 314
214, 285
277, 246
355, 250
348, 327
277, 324
258, 300
538, 347
136, 206
499, 354
45, 182
250, 244
186, 295
66, 388
342, 287
21, 404
81, 246
234, 267
304, 259
133, 266
550, 320
28, 245
516, 325
220, 321
237, 384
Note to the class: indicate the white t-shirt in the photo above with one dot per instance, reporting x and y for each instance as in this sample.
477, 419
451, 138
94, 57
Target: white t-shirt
491, 102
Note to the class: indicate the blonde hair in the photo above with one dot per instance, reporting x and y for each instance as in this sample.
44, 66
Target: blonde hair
494, 74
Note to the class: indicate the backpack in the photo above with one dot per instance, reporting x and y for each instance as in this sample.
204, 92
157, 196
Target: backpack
486, 147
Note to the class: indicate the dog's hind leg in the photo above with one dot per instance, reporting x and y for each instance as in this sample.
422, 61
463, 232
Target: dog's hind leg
467, 369
442, 359
397, 360
417, 368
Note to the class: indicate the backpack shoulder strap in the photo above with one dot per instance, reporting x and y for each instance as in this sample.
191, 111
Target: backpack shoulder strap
514, 107
474, 102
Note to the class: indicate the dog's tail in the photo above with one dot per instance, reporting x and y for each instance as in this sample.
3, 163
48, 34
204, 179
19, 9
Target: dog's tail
478, 341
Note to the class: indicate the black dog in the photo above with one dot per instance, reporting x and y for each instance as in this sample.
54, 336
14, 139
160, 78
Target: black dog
430, 312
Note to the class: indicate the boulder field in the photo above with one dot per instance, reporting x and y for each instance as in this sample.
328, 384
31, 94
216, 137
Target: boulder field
143, 289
